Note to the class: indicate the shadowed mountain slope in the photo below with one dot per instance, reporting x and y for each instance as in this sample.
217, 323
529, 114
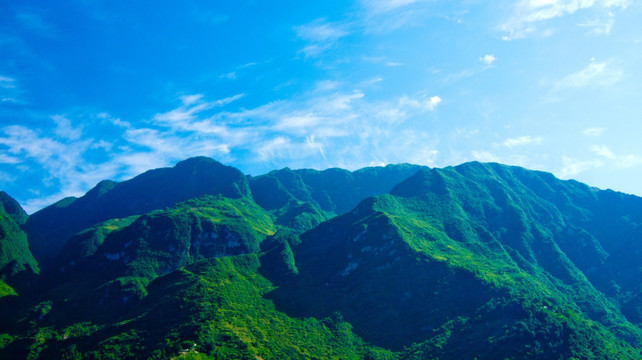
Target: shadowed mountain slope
301, 199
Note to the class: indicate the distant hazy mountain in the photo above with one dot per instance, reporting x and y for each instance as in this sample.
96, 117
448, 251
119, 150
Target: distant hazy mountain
199, 261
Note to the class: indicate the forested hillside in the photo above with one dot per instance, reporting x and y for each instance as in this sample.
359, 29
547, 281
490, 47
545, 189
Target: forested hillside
198, 261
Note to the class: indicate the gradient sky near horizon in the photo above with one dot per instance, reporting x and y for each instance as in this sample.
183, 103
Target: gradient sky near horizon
96, 89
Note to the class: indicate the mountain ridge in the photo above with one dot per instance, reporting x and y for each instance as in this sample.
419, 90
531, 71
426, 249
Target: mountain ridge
479, 260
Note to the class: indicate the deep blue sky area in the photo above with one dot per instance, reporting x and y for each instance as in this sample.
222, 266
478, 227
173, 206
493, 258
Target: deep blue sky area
96, 89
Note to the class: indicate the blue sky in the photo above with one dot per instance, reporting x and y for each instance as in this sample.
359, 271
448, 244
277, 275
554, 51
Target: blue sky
96, 89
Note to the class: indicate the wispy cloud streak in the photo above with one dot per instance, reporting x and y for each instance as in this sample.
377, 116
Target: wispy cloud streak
529, 14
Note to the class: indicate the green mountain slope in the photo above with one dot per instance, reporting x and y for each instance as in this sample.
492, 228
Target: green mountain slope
49, 229
452, 251
116, 273
11, 207
15, 256
212, 309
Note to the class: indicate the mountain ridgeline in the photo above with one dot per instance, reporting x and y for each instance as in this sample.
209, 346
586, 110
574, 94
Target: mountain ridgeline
199, 261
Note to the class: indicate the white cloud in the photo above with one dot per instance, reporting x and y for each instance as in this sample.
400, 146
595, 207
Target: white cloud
381, 16
233, 75
273, 148
296, 122
135, 163
385, 6
320, 31
572, 166
422, 103
628, 161
599, 26
320, 35
592, 131
7, 82
426, 155
522, 140
62, 161
66, 161
371, 82
327, 126
7, 159
603, 151
9, 90
314, 145
64, 129
488, 59
182, 118
22, 140
188, 100
334, 127
484, 156
618, 161
603, 157
596, 74
527, 14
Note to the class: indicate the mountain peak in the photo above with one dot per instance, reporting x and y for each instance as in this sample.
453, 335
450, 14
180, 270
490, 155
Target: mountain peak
49, 228
197, 161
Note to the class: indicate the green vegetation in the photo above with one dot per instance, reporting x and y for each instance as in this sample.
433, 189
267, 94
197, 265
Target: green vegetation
302, 199
49, 229
479, 261
10, 206
211, 309
6, 290
15, 256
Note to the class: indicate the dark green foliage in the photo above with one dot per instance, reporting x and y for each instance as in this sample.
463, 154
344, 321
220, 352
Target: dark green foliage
339, 191
49, 229
85, 243
11, 207
277, 258
15, 256
302, 199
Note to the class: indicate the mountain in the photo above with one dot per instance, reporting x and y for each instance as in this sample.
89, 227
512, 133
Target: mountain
448, 252
15, 256
49, 228
301, 199
10, 206
477, 261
